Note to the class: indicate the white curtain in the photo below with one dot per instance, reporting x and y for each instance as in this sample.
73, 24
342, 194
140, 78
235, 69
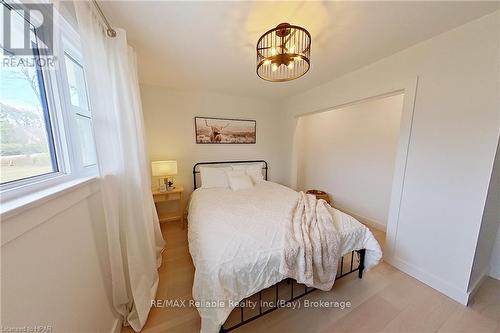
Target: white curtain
134, 237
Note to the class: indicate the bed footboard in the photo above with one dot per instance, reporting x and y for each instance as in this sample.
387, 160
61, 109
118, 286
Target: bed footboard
292, 291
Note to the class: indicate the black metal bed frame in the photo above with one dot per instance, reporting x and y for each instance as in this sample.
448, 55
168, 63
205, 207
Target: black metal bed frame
292, 298
277, 302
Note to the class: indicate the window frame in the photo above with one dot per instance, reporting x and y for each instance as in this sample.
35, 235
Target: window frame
64, 140
72, 51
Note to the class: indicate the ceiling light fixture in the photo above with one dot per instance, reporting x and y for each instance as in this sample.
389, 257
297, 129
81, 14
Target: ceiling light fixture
283, 53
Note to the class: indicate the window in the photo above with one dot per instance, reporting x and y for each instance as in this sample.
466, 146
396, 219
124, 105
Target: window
45, 118
27, 146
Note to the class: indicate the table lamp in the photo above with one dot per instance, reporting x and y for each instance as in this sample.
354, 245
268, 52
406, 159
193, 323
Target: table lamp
164, 169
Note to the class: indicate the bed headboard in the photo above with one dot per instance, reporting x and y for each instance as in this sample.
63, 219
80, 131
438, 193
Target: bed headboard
197, 165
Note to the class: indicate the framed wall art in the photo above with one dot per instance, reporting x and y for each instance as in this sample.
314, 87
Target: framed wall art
225, 131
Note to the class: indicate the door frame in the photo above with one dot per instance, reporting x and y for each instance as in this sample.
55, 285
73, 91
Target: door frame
409, 89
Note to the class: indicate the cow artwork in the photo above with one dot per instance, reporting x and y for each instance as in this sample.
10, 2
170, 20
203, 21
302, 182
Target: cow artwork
223, 131
216, 131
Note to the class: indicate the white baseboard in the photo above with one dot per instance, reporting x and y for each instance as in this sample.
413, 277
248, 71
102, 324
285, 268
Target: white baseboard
495, 272
475, 285
117, 325
365, 220
431, 280
372, 224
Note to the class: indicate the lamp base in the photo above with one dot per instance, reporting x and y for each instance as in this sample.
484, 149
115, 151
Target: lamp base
170, 183
166, 184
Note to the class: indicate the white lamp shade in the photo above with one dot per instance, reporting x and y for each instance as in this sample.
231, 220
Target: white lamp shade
164, 168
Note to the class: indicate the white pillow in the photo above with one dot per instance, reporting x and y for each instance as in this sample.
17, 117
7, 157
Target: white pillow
238, 182
240, 170
214, 177
255, 172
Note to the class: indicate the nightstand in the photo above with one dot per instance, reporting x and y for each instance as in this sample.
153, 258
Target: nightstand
174, 195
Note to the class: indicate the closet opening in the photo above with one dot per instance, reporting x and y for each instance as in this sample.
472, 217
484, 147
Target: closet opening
350, 153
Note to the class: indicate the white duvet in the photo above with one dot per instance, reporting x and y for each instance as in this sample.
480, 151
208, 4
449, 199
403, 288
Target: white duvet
237, 242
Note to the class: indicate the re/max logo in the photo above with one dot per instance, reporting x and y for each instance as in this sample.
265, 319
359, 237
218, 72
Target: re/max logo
169, 303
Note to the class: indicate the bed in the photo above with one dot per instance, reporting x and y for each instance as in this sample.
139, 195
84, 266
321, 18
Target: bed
238, 240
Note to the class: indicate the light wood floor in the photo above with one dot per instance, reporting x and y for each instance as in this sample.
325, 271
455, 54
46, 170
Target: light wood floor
385, 300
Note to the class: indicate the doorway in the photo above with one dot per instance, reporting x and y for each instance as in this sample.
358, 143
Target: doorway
350, 153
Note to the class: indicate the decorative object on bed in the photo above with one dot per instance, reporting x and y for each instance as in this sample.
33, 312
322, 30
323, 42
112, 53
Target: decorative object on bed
283, 53
243, 242
314, 261
165, 170
320, 195
224, 130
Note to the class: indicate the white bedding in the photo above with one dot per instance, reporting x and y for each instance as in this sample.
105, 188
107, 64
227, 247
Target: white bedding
236, 240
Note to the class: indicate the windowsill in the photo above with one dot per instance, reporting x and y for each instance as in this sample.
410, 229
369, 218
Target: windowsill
19, 205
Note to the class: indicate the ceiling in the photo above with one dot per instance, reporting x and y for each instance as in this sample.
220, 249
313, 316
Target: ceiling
211, 45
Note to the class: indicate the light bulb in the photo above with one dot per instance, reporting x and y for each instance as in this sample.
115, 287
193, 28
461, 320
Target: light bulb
291, 49
273, 51
274, 67
267, 62
290, 65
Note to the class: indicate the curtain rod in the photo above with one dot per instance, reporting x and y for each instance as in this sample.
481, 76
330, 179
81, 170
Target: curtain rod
109, 30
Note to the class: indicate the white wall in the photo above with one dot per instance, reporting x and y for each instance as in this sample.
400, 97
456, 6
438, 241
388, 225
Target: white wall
452, 147
169, 122
56, 273
350, 153
491, 218
487, 256
494, 214
495, 258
